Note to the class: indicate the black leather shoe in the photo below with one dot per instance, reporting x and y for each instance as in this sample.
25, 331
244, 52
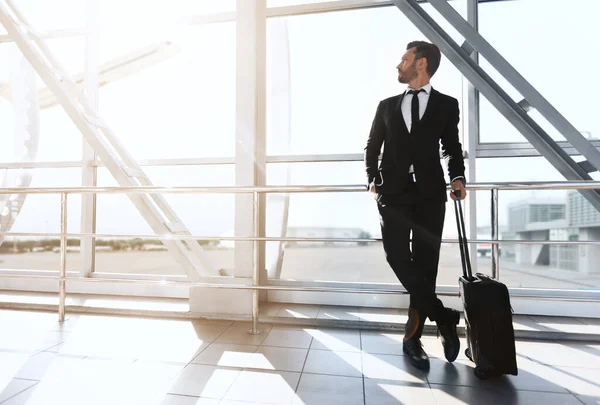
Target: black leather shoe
449, 335
416, 355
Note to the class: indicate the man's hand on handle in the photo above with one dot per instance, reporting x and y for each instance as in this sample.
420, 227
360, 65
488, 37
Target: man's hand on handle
372, 190
458, 188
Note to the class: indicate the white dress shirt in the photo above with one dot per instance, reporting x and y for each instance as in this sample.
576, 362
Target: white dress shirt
407, 106
406, 111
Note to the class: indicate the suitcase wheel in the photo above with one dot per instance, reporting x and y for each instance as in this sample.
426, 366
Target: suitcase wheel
468, 354
482, 375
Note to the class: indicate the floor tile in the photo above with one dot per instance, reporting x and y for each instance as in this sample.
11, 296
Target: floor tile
391, 368
387, 392
336, 339
331, 384
382, 342
36, 367
171, 399
557, 354
204, 381
276, 388
580, 381
278, 359
226, 355
320, 398
333, 363
460, 395
238, 334
289, 337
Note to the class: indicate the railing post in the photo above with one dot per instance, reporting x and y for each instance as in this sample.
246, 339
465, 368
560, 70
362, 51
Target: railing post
255, 264
495, 232
62, 283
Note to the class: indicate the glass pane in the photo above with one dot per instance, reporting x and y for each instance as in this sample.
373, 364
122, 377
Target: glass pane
178, 101
536, 58
202, 214
59, 14
283, 3
332, 103
56, 137
355, 263
343, 215
552, 266
40, 213
538, 215
122, 12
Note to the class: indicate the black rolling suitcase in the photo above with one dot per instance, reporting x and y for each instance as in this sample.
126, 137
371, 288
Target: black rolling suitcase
488, 316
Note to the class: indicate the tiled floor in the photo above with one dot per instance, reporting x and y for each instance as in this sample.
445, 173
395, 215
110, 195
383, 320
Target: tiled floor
119, 360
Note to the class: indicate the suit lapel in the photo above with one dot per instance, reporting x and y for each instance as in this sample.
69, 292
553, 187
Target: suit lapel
432, 104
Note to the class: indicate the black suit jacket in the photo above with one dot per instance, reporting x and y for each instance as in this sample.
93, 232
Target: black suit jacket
439, 125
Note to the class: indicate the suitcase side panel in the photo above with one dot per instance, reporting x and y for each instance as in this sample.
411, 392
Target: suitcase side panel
488, 317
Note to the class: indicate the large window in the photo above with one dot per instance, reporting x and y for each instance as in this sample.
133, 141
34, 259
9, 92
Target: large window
338, 76
174, 94
337, 215
545, 59
56, 137
61, 14
535, 216
40, 213
167, 87
202, 214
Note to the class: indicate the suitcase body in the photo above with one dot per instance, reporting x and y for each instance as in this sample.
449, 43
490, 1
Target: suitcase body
488, 316
490, 333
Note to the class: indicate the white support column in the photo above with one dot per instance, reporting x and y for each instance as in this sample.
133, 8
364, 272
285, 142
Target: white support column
250, 160
279, 125
473, 135
89, 171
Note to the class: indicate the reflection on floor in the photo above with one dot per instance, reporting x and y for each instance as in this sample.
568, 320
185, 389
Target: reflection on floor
91, 359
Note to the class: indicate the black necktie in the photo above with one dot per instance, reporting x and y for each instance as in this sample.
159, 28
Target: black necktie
414, 109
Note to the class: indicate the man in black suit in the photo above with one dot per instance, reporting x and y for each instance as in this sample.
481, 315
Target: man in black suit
410, 190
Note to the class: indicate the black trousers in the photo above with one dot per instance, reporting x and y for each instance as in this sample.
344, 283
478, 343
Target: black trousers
416, 268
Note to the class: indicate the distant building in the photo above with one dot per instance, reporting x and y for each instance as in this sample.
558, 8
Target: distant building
555, 219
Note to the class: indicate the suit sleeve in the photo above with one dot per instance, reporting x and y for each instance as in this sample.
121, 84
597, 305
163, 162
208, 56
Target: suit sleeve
451, 147
373, 148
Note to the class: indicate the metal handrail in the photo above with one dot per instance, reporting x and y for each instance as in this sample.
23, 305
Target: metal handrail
75, 235
533, 185
256, 191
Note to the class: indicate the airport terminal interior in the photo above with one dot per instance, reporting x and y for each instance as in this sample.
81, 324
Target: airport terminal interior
185, 217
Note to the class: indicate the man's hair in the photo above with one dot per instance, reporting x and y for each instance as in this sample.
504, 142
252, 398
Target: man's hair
428, 51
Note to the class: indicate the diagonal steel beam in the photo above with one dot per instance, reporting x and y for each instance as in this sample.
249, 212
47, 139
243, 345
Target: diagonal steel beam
498, 97
532, 96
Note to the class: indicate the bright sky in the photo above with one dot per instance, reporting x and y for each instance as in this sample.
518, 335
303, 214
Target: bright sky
342, 64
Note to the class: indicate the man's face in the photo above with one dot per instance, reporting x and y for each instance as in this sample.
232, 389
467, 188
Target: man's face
407, 69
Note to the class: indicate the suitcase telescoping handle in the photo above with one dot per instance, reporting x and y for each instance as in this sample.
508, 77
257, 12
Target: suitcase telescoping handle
462, 238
